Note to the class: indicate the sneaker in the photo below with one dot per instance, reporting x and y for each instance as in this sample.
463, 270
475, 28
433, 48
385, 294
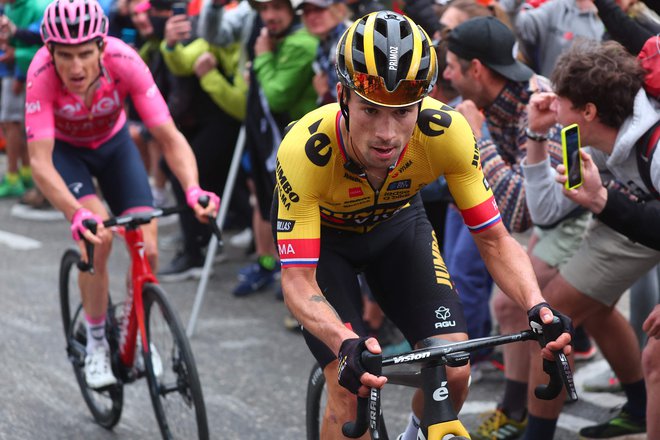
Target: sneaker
255, 280
291, 323
496, 425
622, 426
605, 382
242, 240
182, 267
98, 371
253, 269
34, 206
14, 189
586, 355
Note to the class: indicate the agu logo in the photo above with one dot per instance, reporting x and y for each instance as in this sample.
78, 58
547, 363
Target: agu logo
443, 314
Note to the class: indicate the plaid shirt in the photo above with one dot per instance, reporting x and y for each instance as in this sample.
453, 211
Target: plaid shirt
501, 155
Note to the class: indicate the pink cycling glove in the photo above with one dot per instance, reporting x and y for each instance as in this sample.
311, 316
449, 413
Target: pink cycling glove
77, 227
195, 192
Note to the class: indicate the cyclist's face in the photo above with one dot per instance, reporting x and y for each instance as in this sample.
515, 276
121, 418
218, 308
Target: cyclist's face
378, 133
78, 66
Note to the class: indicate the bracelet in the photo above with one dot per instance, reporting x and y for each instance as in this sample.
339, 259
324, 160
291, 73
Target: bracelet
538, 137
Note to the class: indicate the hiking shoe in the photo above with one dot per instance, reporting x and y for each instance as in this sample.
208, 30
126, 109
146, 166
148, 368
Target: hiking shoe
255, 280
498, 426
622, 426
98, 370
182, 267
605, 382
11, 189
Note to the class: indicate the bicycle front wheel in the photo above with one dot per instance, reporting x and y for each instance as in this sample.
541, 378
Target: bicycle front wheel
174, 384
315, 402
105, 404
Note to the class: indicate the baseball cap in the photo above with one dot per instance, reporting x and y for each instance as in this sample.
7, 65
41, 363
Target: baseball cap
491, 42
320, 3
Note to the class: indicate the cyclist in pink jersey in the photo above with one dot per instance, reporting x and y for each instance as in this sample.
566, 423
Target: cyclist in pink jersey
76, 131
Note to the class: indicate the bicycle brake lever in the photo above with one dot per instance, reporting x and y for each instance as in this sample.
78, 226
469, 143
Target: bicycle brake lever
559, 371
367, 414
204, 202
89, 247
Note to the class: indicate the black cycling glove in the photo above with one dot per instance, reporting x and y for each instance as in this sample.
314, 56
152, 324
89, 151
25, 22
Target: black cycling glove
350, 368
551, 331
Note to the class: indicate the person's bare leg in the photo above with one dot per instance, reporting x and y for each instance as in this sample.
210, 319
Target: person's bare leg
651, 364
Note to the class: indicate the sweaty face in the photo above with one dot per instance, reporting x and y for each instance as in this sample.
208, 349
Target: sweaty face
78, 65
277, 16
377, 133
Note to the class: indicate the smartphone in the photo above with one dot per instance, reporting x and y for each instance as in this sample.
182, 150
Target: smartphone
180, 8
570, 145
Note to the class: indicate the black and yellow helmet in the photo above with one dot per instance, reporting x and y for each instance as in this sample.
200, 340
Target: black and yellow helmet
387, 59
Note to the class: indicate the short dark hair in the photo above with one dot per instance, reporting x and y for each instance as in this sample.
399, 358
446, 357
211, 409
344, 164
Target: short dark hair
604, 74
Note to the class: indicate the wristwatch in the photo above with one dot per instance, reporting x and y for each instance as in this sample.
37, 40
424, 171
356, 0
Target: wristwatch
538, 137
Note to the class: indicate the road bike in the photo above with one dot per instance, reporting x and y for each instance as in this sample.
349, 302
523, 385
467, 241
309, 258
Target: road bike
145, 335
439, 420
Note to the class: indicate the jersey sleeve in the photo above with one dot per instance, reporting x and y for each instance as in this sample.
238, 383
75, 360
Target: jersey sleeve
40, 90
298, 193
462, 169
139, 83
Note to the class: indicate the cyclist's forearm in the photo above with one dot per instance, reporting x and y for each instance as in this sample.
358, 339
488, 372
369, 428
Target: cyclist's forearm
177, 153
49, 181
309, 306
509, 266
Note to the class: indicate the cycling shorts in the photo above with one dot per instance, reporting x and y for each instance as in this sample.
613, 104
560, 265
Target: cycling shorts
117, 167
402, 264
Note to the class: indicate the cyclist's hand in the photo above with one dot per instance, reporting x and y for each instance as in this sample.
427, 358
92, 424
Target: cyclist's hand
539, 317
351, 372
79, 231
192, 198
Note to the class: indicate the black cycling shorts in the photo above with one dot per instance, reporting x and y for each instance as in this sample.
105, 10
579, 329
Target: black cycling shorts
117, 166
406, 274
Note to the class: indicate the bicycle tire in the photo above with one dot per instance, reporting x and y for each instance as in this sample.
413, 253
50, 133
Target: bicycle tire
176, 394
105, 405
313, 414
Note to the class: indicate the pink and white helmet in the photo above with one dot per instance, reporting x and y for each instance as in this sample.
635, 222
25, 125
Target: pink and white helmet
73, 22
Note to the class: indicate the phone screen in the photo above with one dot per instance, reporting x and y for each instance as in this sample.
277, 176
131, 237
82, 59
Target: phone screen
571, 147
179, 8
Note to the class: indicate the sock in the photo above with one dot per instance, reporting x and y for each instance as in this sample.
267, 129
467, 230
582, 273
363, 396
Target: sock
636, 394
539, 429
25, 172
268, 262
95, 332
514, 404
411, 430
11, 178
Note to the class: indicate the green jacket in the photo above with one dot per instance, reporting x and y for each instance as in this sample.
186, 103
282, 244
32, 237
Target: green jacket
285, 75
24, 13
227, 89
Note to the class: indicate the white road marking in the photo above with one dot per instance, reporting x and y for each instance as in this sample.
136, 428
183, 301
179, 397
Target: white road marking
18, 242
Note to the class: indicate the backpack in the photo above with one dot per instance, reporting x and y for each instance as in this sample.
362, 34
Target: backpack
649, 58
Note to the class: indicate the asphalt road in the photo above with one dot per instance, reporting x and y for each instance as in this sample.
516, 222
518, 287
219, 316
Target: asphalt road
253, 371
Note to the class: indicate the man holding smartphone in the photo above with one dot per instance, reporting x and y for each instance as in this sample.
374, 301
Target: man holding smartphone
599, 87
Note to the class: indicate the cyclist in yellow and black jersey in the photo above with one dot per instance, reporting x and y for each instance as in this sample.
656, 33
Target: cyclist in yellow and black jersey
347, 201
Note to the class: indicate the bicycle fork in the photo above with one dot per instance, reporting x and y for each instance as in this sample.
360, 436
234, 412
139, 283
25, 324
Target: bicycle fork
439, 418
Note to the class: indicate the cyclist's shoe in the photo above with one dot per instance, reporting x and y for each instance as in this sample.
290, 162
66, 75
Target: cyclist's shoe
255, 279
156, 361
622, 426
605, 382
98, 370
497, 425
11, 187
182, 267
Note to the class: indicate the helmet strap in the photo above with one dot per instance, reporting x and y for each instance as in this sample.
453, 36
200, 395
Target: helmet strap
344, 107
